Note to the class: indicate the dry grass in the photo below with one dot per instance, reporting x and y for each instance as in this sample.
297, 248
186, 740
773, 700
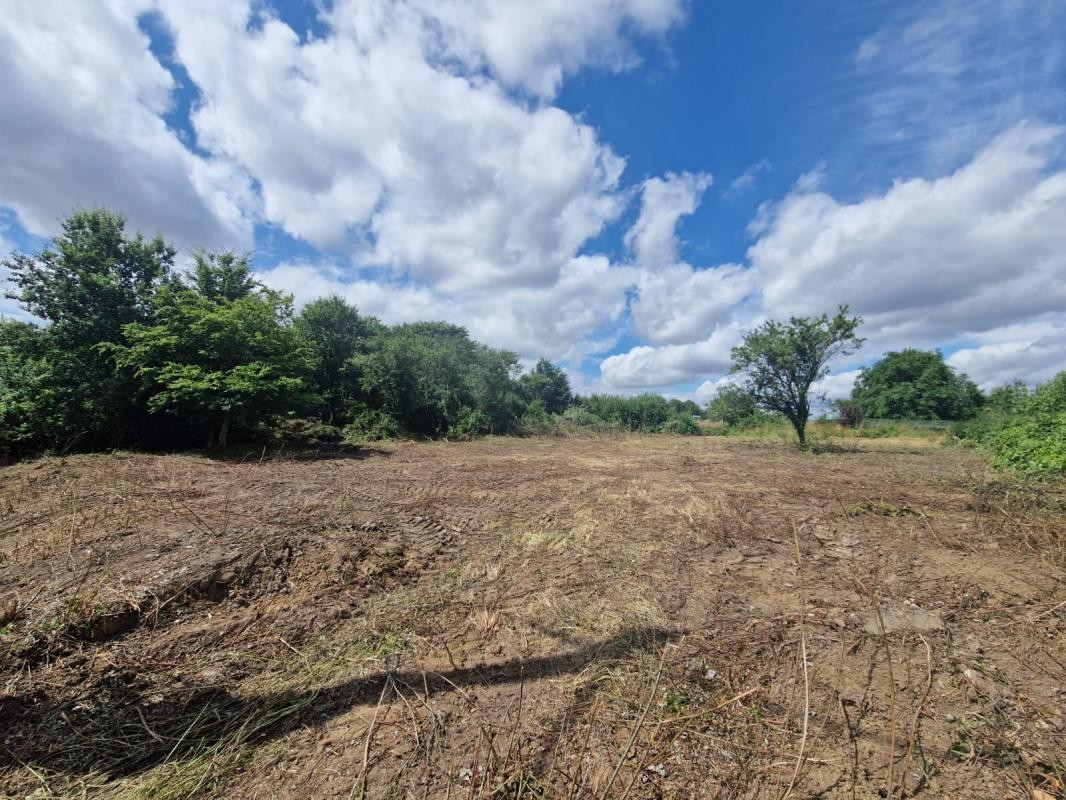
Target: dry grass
630, 617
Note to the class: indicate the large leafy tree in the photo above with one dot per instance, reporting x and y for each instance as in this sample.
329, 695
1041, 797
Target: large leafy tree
92, 279
87, 284
219, 362
221, 276
915, 384
780, 361
432, 378
336, 333
549, 385
26, 387
732, 405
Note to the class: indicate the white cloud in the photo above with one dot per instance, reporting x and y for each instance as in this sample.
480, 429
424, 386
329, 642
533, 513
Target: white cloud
837, 386
535, 45
675, 302
971, 256
377, 145
664, 201
868, 51
748, 177
415, 136
555, 322
681, 304
706, 391
645, 366
928, 260
81, 115
937, 85
1033, 352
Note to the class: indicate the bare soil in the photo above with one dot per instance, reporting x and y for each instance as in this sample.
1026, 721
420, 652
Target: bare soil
642, 617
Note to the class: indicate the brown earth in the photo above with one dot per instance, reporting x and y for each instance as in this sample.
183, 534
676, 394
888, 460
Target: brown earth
643, 617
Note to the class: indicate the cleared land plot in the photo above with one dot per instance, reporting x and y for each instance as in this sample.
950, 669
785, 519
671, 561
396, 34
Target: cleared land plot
636, 617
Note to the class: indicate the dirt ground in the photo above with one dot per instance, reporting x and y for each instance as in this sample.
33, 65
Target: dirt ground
641, 617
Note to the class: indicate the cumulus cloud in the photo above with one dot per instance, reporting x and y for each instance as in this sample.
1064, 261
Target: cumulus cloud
929, 260
664, 201
82, 108
676, 302
414, 142
555, 322
645, 366
412, 137
387, 137
970, 257
535, 45
1029, 351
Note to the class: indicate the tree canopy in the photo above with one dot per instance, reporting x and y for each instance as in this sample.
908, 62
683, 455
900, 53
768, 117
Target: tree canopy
548, 385
780, 361
915, 384
732, 405
215, 361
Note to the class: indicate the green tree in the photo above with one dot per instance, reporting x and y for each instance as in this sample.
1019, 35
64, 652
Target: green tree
336, 332
781, 361
26, 395
915, 384
431, 378
1007, 399
732, 405
548, 384
219, 362
91, 281
221, 276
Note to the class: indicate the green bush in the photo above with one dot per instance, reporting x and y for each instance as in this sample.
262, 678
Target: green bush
642, 412
372, 425
682, 425
301, 432
471, 422
1034, 438
580, 417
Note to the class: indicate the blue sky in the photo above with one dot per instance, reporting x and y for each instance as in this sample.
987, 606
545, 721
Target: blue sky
624, 186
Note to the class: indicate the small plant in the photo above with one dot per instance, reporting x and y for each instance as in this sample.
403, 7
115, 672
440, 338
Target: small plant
677, 701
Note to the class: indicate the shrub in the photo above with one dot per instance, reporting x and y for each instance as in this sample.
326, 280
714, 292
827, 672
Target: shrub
300, 432
581, 417
372, 425
642, 412
849, 413
682, 425
471, 422
1034, 438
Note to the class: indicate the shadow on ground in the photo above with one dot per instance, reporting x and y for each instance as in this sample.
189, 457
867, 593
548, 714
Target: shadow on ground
118, 731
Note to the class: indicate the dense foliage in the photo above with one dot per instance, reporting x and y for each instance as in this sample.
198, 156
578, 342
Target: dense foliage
781, 361
735, 407
91, 282
643, 412
133, 353
915, 384
1024, 430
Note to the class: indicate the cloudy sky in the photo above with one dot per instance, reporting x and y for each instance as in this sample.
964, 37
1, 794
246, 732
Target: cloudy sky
623, 186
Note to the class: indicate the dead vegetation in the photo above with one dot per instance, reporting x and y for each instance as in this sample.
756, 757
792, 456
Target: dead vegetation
627, 617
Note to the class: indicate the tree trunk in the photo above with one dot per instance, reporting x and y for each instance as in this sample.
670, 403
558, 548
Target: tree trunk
801, 431
223, 432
